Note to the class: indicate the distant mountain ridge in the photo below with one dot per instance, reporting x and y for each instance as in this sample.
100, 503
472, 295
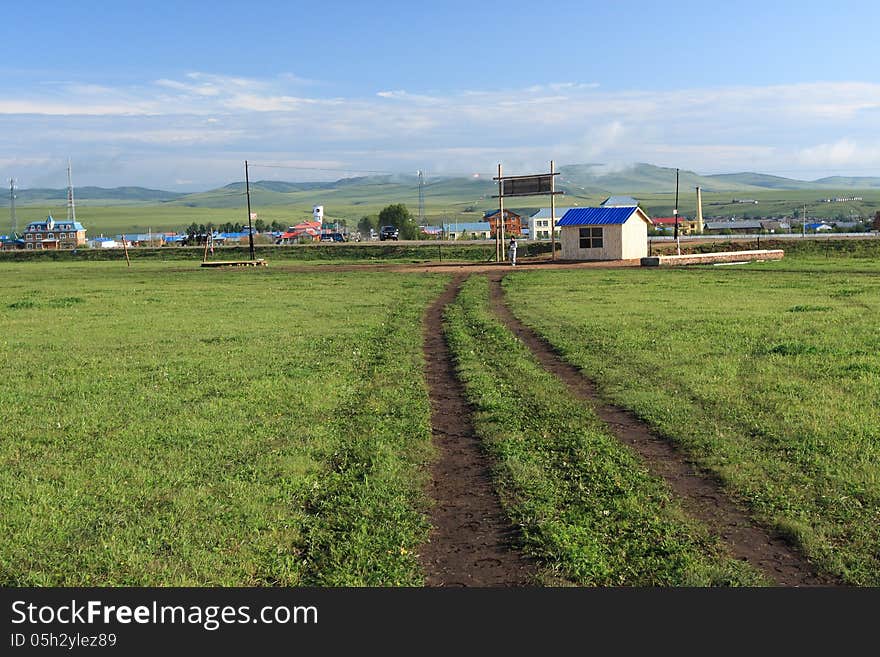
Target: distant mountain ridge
573, 179
650, 178
136, 194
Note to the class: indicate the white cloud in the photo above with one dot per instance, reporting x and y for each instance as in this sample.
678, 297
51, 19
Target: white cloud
769, 128
841, 154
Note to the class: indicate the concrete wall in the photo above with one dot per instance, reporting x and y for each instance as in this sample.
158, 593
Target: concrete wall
713, 258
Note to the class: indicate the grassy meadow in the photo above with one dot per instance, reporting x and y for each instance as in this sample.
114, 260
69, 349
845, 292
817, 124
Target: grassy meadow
767, 374
170, 425
450, 202
589, 511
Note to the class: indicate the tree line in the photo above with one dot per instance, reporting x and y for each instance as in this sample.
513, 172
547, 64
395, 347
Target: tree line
397, 215
260, 226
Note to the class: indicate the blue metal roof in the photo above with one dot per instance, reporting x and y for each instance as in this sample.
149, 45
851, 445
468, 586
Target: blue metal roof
544, 213
44, 225
619, 202
468, 226
596, 216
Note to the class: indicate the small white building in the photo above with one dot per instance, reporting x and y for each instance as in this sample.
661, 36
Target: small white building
477, 230
606, 233
539, 223
103, 243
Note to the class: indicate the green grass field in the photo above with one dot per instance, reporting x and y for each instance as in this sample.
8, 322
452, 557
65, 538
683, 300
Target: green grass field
166, 424
767, 374
455, 201
169, 426
589, 510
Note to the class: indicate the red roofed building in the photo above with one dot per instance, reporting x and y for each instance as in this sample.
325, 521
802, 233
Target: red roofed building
306, 229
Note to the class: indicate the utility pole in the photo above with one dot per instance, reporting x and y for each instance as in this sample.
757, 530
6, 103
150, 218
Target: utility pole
421, 197
804, 222
247, 188
675, 214
71, 208
12, 206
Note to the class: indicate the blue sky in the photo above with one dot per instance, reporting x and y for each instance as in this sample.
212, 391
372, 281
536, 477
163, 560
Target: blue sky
177, 94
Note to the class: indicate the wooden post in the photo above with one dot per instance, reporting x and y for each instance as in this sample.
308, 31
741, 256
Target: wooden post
552, 213
125, 249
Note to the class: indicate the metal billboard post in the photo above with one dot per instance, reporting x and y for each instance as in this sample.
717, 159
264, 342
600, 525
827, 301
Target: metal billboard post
538, 184
499, 244
552, 213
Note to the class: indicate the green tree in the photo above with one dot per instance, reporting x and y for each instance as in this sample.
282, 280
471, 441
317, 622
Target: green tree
398, 215
367, 222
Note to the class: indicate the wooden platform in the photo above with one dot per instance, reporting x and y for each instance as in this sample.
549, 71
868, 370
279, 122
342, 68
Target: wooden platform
725, 257
235, 263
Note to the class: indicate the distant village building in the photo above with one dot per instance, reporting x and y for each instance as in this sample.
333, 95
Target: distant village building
11, 242
743, 226
50, 234
513, 222
604, 233
619, 202
685, 226
775, 226
103, 243
539, 223
478, 230
303, 231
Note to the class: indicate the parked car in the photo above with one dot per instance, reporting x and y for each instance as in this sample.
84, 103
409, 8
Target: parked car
388, 233
333, 237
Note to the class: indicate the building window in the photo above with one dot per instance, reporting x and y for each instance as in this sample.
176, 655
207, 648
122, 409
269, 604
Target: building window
591, 237
39, 236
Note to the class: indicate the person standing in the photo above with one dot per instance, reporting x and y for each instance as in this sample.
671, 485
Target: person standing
511, 251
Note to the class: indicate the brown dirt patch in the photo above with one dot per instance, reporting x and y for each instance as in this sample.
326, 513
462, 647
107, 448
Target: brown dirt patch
700, 494
472, 543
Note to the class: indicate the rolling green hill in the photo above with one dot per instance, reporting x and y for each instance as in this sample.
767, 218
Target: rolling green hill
640, 178
97, 195
759, 181
853, 182
447, 199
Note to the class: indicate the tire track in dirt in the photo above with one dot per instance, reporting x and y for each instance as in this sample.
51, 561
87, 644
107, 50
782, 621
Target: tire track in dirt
472, 542
699, 494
